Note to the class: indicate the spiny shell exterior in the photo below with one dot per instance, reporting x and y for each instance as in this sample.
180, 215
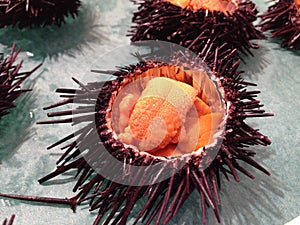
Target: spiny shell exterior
283, 20
160, 206
10, 80
28, 13
196, 30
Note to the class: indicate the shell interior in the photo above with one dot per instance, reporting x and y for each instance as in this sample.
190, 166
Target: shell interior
167, 111
283, 20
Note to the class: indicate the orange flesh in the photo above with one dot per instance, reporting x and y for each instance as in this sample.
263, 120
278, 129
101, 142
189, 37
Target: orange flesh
155, 122
168, 118
297, 2
211, 5
156, 117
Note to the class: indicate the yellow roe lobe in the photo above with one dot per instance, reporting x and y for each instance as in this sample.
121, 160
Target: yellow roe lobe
211, 5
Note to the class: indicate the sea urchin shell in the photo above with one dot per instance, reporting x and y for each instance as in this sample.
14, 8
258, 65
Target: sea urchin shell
283, 20
26, 13
10, 80
196, 25
86, 149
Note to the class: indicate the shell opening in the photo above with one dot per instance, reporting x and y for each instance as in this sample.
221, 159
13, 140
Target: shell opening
211, 5
167, 111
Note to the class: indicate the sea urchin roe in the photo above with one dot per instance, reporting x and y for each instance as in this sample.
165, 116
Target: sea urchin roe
205, 126
211, 5
158, 114
167, 118
125, 108
154, 122
297, 2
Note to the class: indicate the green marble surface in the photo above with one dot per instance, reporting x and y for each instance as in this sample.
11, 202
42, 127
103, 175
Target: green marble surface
68, 52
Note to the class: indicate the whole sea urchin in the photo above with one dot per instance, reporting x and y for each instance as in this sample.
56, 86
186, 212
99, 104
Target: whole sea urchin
10, 80
283, 20
26, 13
195, 24
183, 171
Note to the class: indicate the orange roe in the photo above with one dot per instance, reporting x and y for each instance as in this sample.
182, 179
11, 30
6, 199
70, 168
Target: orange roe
168, 118
297, 2
211, 5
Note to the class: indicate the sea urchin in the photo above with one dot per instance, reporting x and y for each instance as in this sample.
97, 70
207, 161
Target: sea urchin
10, 80
26, 13
164, 173
196, 24
283, 20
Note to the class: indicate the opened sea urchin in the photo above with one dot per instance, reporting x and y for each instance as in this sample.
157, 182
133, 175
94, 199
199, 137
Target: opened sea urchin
27, 13
10, 80
283, 20
196, 24
158, 131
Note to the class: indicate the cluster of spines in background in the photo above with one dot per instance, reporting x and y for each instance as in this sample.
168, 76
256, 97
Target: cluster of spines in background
10, 80
29, 13
283, 20
195, 30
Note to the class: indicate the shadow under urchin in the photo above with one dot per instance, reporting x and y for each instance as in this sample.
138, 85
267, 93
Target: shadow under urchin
196, 29
283, 20
53, 41
17, 125
84, 149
